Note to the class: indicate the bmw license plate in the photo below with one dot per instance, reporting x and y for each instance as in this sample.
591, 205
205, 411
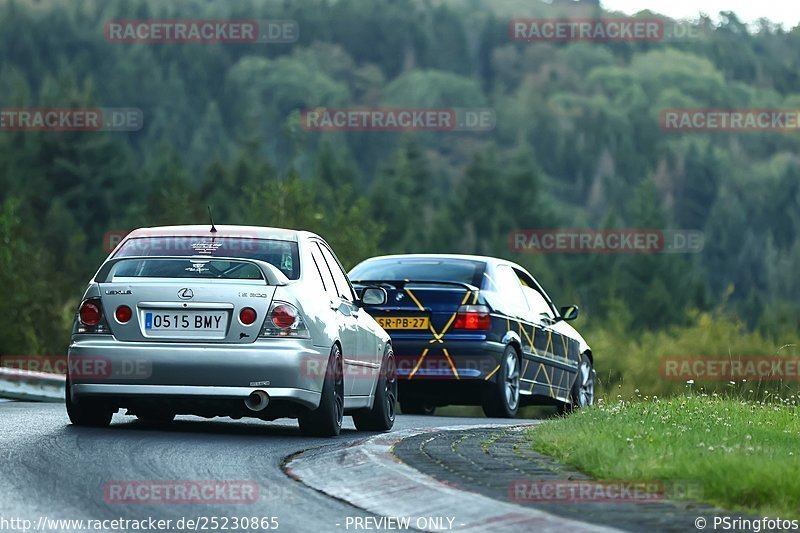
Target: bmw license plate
403, 322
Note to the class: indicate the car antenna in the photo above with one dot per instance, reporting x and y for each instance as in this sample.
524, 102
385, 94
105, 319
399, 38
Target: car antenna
210, 216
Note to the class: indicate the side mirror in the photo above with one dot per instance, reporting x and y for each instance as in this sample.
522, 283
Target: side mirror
569, 312
373, 296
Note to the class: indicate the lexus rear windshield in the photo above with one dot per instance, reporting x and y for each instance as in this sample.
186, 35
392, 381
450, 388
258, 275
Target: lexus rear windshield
283, 255
427, 269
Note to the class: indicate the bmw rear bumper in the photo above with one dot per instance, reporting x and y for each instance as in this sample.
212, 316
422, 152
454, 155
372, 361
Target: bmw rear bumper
452, 360
454, 372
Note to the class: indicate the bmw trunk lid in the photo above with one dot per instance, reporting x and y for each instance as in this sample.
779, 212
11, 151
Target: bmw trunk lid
418, 307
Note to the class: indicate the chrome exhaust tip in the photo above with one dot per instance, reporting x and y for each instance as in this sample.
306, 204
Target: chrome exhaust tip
257, 401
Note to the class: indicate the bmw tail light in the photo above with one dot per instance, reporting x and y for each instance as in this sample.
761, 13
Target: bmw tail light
473, 317
284, 320
90, 317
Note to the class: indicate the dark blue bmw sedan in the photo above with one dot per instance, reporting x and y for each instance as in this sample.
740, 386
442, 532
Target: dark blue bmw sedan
471, 330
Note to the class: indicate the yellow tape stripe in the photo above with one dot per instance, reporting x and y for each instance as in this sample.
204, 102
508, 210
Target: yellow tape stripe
549, 384
411, 295
452, 318
530, 341
492, 373
438, 336
419, 363
466, 297
533, 381
452, 365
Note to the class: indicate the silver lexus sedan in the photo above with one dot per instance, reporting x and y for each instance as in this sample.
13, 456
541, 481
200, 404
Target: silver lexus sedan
229, 321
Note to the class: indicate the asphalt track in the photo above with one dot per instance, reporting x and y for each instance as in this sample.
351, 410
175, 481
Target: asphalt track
51, 469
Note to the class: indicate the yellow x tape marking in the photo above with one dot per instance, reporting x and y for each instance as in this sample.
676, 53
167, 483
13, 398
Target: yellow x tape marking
437, 337
549, 384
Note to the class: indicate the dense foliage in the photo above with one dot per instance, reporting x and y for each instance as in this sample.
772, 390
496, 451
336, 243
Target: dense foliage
577, 144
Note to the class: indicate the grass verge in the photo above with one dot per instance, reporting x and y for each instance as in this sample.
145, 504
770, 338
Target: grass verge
745, 454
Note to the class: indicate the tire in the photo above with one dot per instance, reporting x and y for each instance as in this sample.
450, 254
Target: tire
82, 414
384, 408
581, 394
501, 398
326, 419
151, 416
412, 406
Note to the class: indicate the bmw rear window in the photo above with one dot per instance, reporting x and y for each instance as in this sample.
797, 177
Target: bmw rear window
283, 255
421, 269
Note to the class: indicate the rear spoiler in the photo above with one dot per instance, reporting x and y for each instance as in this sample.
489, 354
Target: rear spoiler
401, 284
272, 275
